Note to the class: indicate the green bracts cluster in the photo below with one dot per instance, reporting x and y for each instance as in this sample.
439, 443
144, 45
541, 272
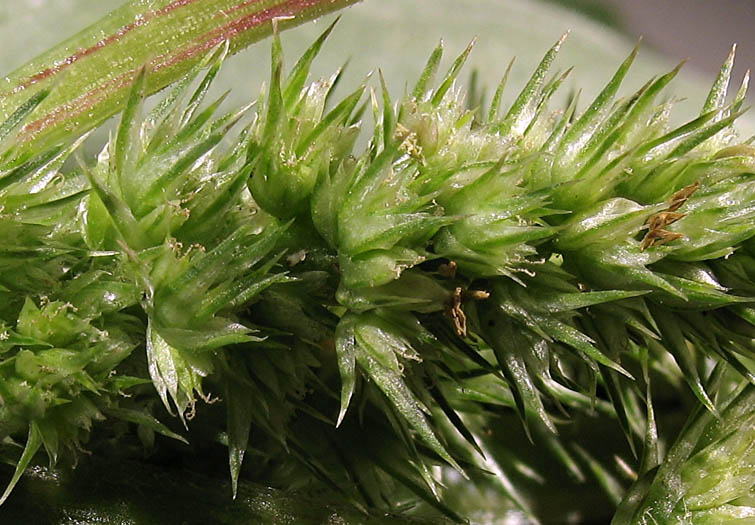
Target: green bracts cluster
370, 315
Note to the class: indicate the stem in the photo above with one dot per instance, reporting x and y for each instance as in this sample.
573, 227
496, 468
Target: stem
91, 73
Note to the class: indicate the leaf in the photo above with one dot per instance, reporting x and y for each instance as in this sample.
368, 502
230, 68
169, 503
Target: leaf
33, 442
523, 108
717, 95
509, 344
98, 64
396, 390
581, 131
428, 73
684, 355
215, 333
298, 76
450, 78
145, 419
119, 212
127, 140
239, 410
162, 370
23, 111
345, 344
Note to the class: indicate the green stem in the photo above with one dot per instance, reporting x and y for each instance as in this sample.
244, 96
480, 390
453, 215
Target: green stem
91, 73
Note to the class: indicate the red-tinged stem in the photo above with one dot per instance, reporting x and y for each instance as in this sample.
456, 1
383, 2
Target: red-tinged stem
91, 73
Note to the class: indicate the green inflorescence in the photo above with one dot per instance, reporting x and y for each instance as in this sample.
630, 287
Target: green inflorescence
369, 317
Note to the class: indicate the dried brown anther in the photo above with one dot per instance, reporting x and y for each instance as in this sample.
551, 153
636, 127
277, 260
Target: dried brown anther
658, 237
454, 311
447, 270
476, 295
678, 199
663, 219
457, 315
656, 224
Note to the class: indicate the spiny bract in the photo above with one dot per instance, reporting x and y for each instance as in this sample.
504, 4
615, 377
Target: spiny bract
471, 263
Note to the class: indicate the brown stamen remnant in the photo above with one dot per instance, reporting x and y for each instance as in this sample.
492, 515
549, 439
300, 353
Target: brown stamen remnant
476, 295
457, 315
658, 237
678, 199
663, 219
454, 311
656, 224
447, 270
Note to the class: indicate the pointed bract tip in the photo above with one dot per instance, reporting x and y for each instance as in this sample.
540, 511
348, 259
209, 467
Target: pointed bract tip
636, 48
324, 35
223, 48
678, 67
383, 83
745, 83
341, 416
280, 19
468, 49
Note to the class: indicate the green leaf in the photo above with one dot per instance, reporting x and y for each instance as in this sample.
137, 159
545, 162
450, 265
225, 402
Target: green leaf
33, 442
127, 139
421, 88
717, 95
23, 111
522, 110
162, 370
582, 131
390, 381
509, 344
144, 419
345, 344
685, 356
240, 411
451, 76
119, 212
300, 72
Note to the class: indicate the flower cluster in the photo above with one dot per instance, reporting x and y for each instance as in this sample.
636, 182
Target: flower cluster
368, 317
